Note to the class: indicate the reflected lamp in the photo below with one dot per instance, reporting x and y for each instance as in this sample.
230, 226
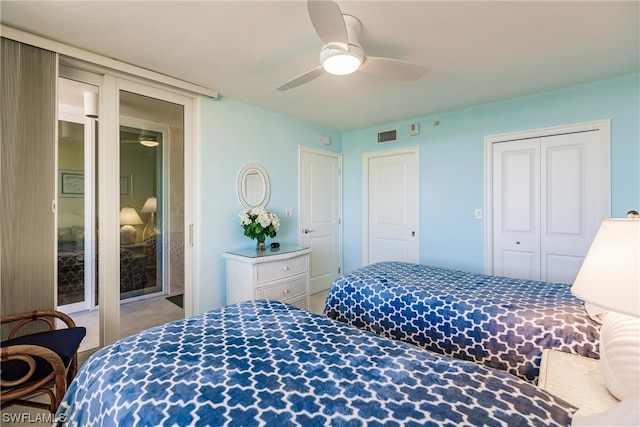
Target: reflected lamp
128, 218
150, 207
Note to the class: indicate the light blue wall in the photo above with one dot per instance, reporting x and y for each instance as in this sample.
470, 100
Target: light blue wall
451, 175
452, 163
233, 134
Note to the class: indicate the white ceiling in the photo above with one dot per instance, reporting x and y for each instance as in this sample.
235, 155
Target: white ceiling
476, 51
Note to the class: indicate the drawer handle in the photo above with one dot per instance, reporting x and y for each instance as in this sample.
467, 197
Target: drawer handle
286, 291
285, 268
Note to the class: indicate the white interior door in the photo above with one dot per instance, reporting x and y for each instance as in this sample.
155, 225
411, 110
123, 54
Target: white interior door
547, 204
320, 210
391, 208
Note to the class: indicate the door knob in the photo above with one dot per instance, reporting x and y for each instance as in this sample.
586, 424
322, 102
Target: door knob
307, 231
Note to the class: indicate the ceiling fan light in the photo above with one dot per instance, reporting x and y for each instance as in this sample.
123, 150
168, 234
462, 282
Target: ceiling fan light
148, 138
341, 65
338, 62
148, 141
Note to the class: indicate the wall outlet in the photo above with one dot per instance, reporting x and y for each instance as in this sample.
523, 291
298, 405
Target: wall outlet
478, 213
288, 212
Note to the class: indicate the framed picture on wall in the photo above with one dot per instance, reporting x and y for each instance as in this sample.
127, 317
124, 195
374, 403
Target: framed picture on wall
70, 183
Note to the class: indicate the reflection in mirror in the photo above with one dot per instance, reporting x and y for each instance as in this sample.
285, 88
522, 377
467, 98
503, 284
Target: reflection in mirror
253, 186
152, 180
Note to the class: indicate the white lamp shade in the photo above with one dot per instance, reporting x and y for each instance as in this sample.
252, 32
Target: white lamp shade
129, 216
610, 273
151, 205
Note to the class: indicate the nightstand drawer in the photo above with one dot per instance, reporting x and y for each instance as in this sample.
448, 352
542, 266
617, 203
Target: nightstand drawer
268, 271
283, 291
300, 303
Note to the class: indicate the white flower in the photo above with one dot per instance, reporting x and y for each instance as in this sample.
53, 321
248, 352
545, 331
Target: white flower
275, 221
268, 223
244, 218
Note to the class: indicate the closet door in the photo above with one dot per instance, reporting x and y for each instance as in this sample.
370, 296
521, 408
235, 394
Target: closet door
570, 203
546, 204
516, 192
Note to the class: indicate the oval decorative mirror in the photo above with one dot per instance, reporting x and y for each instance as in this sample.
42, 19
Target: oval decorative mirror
253, 186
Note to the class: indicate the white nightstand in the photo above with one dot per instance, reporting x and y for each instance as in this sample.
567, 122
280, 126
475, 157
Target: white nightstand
281, 274
575, 379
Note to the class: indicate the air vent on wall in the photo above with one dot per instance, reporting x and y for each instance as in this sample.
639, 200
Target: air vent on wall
387, 136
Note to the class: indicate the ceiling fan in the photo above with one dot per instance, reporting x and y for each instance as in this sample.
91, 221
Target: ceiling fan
342, 54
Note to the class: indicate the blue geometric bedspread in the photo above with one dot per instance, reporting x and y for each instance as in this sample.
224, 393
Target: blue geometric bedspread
499, 322
266, 363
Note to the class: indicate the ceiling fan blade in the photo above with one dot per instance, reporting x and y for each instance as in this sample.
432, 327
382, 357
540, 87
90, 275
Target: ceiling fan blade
302, 79
328, 22
392, 68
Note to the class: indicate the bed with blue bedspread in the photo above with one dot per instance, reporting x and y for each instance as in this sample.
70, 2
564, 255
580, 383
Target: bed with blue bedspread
267, 363
496, 321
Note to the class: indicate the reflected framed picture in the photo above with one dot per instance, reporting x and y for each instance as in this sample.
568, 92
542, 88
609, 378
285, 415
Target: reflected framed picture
70, 183
126, 185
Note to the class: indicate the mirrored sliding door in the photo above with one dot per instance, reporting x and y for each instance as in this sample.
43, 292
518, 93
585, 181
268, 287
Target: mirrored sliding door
151, 211
121, 204
76, 250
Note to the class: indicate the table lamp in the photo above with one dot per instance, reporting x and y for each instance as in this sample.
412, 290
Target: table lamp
610, 279
128, 218
151, 207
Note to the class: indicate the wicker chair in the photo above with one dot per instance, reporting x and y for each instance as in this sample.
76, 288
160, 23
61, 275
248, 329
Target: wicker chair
40, 362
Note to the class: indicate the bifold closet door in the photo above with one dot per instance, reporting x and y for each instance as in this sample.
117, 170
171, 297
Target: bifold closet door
516, 208
570, 202
546, 205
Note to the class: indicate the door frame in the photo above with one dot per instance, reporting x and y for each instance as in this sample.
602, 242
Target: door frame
604, 129
415, 151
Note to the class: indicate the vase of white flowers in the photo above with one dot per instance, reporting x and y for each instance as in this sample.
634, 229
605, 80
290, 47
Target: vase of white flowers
259, 223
